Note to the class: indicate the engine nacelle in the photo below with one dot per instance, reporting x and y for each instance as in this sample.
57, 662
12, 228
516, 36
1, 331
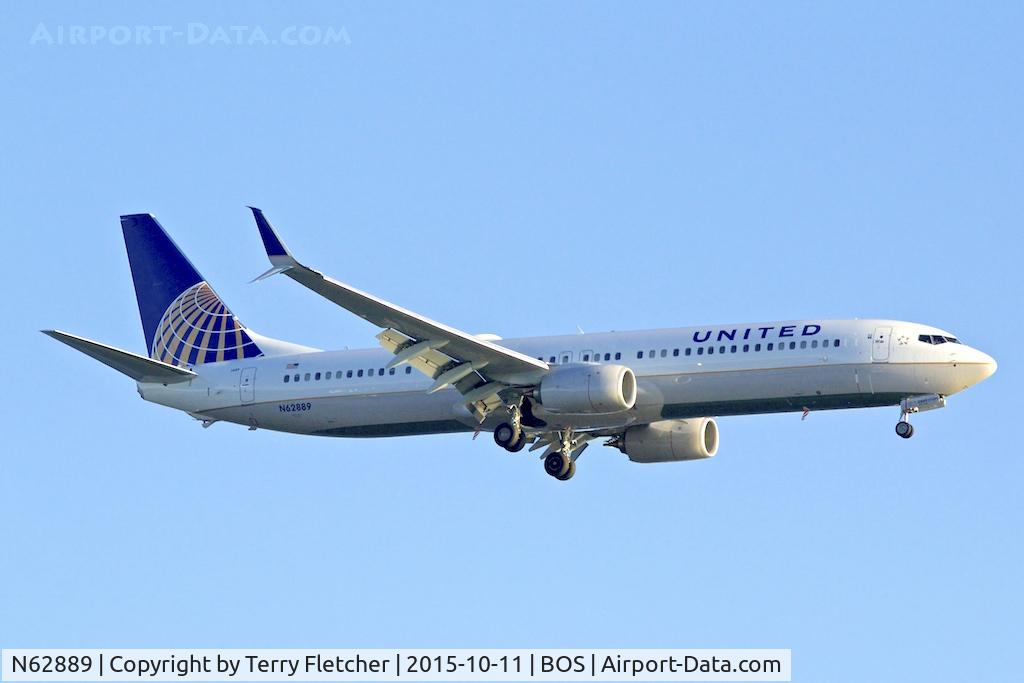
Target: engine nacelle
584, 389
671, 440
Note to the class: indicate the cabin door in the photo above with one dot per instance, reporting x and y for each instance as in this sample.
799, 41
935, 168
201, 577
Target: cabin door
247, 385
880, 344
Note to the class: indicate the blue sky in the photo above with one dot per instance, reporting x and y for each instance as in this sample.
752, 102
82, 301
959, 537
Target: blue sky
520, 170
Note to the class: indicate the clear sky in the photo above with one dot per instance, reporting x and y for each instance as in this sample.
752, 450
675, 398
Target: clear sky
520, 169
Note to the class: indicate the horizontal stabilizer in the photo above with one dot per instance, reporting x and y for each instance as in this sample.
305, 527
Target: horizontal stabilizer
139, 368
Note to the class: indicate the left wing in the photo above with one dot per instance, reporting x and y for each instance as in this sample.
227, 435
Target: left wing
479, 369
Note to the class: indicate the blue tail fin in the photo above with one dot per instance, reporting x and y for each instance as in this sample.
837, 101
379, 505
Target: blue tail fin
184, 320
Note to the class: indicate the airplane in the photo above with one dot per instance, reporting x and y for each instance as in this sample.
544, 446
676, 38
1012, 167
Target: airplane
650, 394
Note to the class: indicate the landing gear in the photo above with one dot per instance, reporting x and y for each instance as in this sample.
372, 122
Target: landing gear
519, 444
565, 447
904, 429
510, 435
560, 466
506, 436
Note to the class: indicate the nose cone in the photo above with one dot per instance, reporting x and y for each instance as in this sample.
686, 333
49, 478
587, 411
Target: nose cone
980, 367
989, 364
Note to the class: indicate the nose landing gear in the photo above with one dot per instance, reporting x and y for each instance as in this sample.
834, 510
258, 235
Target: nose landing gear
904, 428
916, 404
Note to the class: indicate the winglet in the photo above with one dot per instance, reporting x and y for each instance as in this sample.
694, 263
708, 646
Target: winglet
277, 252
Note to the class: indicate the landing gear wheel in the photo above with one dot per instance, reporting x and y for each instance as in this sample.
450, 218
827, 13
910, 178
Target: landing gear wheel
518, 445
557, 465
568, 475
505, 435
904, 429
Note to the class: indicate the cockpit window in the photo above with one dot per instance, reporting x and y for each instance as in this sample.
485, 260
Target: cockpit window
937, 339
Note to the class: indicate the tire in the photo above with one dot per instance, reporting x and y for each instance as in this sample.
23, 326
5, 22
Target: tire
568, 475
504, 435
557, 464
519, 445
904, 429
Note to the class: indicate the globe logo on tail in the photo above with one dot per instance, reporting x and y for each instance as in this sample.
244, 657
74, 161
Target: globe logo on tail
198, 328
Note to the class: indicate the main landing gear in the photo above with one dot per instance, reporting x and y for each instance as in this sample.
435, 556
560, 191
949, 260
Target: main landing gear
510, 435
560, 466
564, 446
564, 449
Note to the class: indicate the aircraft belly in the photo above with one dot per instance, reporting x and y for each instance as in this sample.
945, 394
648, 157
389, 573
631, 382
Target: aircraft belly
715, 386
370, 415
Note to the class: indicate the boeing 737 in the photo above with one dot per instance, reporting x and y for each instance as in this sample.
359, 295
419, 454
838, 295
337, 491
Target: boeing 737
649, 394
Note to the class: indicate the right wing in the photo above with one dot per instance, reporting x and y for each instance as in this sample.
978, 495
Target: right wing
479, 369
139, 368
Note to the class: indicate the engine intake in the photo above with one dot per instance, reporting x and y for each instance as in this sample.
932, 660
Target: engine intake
584, 389
671, 440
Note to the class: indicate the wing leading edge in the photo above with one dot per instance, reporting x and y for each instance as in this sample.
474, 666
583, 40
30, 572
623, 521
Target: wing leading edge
479, 369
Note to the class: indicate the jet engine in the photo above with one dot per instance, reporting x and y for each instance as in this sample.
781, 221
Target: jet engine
583, 389
671, 440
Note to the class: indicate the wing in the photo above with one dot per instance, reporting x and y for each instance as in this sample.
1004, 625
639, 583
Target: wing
479, 369
139, 368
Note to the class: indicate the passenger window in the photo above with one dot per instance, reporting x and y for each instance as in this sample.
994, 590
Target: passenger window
757, 347
835, 343
295, 378
306, 377
732, 349
408, 369
551, 360
688, 349
700, 350
380, 373
328, 375
359, 373
711, 350
792, 345
287, 378
770, 346
675, 352
803, 344
746, 348
814, 344
618, 355
317, 377
607, 356
391, 371
650, 354
664, 352
721, 349
348, 374
639, 354
586, 356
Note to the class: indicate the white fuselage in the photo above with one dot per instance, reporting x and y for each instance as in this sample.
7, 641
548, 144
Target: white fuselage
681, 372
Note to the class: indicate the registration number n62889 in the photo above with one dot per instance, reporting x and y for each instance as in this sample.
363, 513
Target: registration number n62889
295, 407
